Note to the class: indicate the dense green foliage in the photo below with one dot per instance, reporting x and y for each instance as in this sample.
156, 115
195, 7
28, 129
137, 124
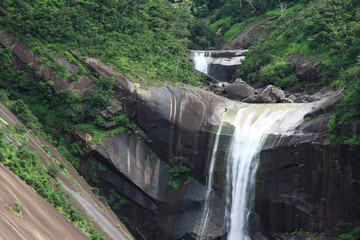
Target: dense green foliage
312, 31
346, 231
28, 167
145, 40
226, 18
17, 208
54, 116
324, 31
178, 175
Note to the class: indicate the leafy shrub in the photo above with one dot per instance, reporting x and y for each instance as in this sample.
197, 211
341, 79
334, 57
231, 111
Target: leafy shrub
52, 171
62, 165
20, 129
278, 72
343, 227
179, 174
346, 231
17, 208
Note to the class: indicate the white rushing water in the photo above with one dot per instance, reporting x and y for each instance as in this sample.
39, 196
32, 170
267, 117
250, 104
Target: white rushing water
202, 61
206, 209
252, 124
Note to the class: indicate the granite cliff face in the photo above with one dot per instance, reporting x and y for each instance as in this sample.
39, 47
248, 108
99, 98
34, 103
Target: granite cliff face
173, 122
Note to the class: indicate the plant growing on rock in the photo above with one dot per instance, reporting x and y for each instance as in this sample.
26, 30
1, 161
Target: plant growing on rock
17, 208
178, 175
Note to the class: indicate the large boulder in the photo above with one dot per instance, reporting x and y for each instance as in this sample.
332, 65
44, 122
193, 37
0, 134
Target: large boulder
270, 94
239, 90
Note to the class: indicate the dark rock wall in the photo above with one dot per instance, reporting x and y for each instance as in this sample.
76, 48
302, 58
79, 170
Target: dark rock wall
305, 184
155, 210
178, 121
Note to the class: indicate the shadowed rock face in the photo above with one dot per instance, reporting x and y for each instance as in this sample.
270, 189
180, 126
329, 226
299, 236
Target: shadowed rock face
304, 183
177, 121
155, 210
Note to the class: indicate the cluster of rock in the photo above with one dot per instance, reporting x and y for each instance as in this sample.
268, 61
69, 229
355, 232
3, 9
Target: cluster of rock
241, 91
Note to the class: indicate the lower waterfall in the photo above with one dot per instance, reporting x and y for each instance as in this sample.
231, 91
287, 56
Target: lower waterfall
252, 124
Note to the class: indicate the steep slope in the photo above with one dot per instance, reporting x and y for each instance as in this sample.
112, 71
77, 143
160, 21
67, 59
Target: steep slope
39, 219
82, 198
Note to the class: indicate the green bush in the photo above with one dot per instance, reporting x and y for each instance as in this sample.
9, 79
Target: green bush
278, 72
17, 208
20, 129
52, 171
178, 175
346, 231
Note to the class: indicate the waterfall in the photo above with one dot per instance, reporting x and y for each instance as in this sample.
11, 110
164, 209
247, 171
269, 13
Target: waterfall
202, 61
219, 64
206, 210
252, 124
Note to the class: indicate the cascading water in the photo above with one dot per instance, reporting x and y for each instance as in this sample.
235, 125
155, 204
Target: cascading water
202, 61
252, 124
206, 209
218, 64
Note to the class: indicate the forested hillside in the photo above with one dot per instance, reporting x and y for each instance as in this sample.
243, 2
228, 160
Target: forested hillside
146, 40
324, 32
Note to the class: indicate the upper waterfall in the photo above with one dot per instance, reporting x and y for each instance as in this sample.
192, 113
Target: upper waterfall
202, 61
220, 64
